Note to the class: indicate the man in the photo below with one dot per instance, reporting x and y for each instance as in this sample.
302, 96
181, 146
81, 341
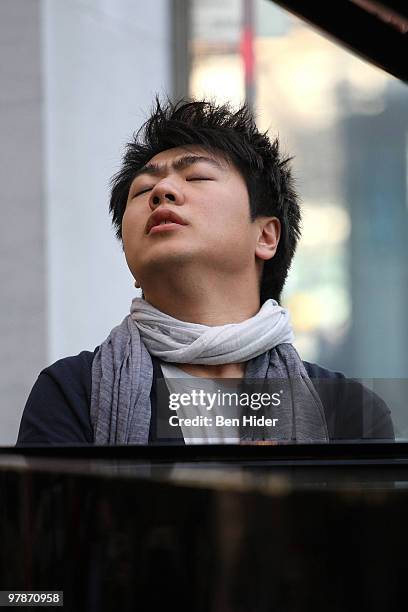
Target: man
209, 221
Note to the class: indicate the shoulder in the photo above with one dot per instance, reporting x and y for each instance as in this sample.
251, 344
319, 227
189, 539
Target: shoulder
353, 411
75, 368
57, 408
317, 371
72, 375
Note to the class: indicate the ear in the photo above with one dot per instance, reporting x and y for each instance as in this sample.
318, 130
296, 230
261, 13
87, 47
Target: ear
269, 230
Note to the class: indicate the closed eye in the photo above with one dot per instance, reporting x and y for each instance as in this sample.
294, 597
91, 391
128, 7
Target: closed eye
195, 178
199, 178
144, 191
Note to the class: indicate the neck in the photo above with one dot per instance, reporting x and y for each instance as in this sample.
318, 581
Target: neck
213, 303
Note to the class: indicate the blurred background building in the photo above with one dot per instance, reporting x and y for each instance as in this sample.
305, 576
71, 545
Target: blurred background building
346, 124
78, 78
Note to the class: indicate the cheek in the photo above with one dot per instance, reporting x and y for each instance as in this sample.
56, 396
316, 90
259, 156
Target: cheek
232, 214
131, 222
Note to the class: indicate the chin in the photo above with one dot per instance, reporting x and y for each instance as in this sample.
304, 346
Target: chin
167, 259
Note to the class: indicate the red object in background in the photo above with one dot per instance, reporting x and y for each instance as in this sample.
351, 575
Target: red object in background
246, 48
247, 53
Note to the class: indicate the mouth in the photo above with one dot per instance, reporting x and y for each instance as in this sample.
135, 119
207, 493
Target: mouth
165, 226
163, 220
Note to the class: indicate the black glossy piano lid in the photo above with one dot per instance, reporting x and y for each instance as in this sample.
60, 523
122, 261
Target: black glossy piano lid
376, 31
365, 452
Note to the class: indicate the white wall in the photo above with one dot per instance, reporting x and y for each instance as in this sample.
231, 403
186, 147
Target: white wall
104, 61
22, 233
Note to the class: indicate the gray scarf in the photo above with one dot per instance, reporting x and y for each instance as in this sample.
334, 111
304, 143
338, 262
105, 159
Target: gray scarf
122, 369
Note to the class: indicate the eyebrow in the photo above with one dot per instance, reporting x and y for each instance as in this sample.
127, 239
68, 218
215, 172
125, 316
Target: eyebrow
179, 164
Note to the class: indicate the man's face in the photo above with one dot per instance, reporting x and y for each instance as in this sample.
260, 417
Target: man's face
208, 195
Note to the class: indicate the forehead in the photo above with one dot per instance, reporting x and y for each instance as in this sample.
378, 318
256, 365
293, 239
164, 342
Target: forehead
170, 155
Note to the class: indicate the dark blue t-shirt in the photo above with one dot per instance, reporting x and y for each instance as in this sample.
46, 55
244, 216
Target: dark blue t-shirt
57, 410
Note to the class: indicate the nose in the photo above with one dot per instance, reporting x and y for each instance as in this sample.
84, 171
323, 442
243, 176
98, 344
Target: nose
165, 191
